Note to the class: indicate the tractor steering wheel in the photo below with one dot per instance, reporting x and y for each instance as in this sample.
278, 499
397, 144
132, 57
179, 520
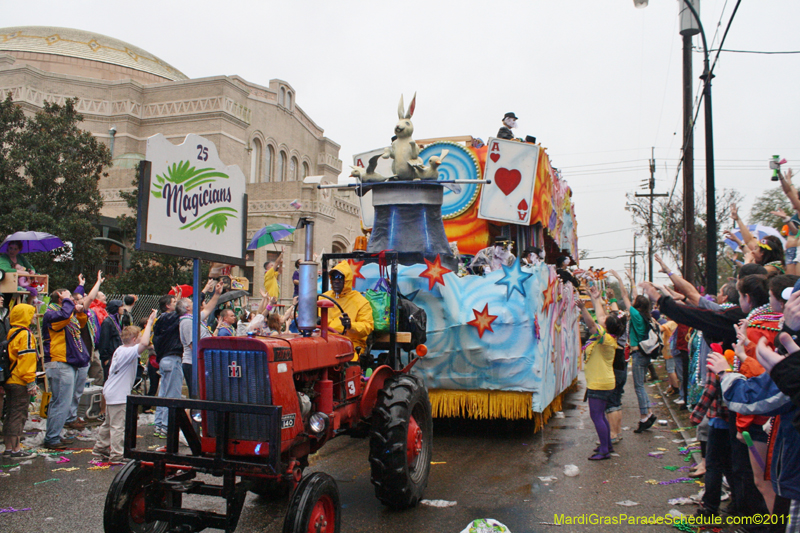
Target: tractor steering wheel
344, 329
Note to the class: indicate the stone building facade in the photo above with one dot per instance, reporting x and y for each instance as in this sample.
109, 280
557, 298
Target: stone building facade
127, 95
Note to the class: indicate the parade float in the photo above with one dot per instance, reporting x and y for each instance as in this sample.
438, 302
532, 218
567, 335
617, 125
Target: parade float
500, 345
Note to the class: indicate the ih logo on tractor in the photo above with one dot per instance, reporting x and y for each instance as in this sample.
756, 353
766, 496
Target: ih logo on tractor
234, 370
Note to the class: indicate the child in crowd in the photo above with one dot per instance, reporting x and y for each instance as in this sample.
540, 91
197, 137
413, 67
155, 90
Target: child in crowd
121, 376
21, 384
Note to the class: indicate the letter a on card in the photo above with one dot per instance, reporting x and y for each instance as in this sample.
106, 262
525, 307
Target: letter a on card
511, 168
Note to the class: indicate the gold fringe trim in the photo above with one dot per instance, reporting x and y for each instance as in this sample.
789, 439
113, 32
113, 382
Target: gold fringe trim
493, 404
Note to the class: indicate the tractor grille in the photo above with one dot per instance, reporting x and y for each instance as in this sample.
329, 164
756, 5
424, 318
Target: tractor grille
252, 387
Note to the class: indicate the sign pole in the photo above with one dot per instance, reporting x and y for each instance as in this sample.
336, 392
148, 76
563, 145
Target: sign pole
195, 322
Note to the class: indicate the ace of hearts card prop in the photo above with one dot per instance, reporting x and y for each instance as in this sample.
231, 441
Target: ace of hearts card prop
511, 167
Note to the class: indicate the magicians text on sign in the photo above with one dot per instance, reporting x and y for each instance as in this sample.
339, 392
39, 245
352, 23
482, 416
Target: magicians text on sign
190, 203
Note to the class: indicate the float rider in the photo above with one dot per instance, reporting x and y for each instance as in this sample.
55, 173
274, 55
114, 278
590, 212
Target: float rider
357, 320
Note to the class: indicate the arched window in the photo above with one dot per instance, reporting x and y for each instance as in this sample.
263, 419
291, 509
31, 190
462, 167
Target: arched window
282, 97
293, 169
280, 175
270, 157
289, 100
255, 160
306, 171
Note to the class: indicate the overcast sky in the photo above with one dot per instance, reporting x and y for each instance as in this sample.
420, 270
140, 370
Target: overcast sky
597, 82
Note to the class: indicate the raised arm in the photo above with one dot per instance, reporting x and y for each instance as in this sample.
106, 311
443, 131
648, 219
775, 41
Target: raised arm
681, 285
145, 342
597, 302
789, 189
634, 294
95, 289
587, 318
622, 289
209, 307
747, 237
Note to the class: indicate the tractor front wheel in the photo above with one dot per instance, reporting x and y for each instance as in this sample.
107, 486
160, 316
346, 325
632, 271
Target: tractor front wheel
125, 503
401, 439
314, 507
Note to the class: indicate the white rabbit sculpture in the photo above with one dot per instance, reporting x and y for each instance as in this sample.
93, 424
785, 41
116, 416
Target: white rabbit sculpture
406, 164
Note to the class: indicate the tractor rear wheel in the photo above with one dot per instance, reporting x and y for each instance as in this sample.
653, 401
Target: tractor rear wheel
314, 507
401, 439
125, 503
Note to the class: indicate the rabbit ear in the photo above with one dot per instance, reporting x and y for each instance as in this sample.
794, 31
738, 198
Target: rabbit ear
400, 108
412, 106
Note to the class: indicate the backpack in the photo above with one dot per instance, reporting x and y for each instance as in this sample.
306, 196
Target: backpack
6, 368
653, 344
414, 320
380, 301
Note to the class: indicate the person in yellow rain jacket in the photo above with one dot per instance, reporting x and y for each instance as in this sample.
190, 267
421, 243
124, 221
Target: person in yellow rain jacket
21, 384
358, 320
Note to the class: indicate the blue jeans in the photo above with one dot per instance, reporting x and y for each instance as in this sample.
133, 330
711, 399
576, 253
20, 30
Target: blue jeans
80, 385
61, 378
171, 384
640, 364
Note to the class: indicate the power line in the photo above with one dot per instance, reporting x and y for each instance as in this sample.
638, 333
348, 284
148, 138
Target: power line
605, 232
755, 51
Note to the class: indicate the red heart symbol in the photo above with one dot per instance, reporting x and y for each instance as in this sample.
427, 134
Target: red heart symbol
507, 180
523, 205
494, 157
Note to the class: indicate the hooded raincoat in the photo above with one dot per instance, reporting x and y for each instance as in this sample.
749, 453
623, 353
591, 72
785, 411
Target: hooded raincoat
357, 308
22, 348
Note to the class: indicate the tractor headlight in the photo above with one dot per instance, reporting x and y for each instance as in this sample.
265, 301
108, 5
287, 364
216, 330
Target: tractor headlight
318, 422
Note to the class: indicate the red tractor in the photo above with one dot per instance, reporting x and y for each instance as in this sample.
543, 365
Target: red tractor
266, 404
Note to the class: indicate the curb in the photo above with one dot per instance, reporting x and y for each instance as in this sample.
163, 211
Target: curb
696, 455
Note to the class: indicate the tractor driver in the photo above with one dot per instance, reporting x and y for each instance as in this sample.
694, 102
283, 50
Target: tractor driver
358, 318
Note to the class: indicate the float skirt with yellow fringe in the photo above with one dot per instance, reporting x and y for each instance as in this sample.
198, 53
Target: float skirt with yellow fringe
492, 404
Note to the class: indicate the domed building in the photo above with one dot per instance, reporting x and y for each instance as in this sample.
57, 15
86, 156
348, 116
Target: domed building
127, 94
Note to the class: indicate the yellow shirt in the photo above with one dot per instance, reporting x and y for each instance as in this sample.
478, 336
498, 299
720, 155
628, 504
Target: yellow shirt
599, 360
271, 283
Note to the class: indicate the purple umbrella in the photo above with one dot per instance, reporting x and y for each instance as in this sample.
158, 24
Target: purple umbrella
270, 234
33, 241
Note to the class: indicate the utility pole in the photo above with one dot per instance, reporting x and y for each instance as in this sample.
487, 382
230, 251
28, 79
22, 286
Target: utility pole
688, 157
689, 28
651, 195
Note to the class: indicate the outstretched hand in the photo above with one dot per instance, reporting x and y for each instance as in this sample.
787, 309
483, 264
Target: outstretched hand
734, 212
663, 265
791, 312
769, 357
81, 279
717, 362
100, 278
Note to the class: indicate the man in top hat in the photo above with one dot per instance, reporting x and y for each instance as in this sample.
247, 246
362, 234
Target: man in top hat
509, 123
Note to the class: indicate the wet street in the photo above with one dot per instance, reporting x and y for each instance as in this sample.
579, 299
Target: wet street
499, 470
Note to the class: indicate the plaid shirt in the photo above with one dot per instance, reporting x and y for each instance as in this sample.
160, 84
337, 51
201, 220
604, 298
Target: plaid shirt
710, 403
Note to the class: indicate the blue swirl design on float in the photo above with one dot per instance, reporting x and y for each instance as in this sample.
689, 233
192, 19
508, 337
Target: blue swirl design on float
460, 164
509, 358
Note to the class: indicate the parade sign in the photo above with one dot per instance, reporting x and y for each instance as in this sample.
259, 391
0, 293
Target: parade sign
511, 167
190, 203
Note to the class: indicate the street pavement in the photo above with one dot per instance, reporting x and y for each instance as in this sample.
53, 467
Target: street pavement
486, 469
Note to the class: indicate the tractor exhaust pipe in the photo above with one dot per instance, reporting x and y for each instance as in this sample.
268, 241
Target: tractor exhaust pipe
307, 293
